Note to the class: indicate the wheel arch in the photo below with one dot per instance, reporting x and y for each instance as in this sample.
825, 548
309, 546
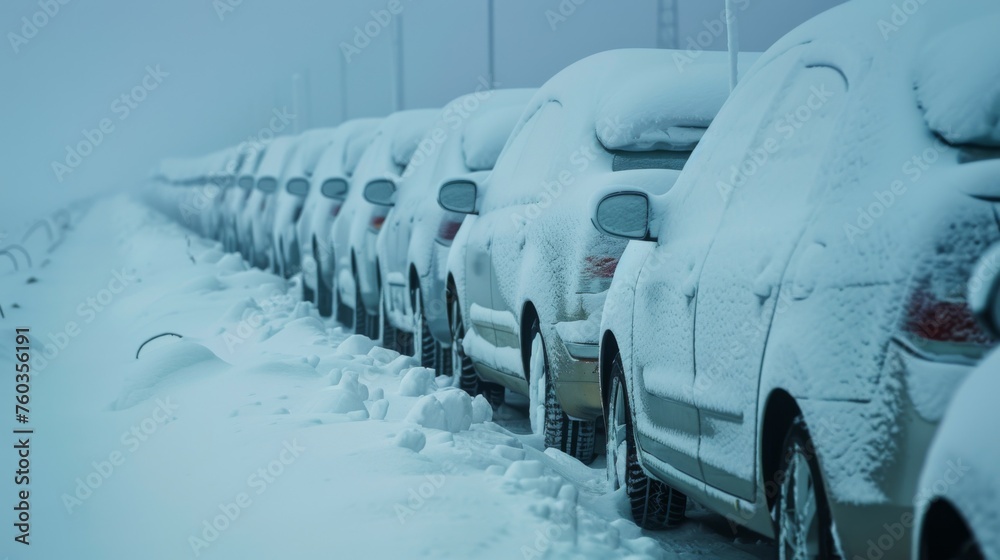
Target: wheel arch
608, 350
528, 316
780, 413
943, 531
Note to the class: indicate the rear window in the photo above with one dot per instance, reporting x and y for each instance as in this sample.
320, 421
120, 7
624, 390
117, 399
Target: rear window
659, 159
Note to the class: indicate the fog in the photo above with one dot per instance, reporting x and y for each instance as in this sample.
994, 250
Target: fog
198, 75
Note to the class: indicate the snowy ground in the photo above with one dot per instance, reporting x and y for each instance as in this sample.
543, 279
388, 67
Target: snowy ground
266, 432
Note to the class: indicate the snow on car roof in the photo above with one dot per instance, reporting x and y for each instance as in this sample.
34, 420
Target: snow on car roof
276, 156
597, 91
667, 107
341, 156
407, 128
486, 134
958, 83
309, 146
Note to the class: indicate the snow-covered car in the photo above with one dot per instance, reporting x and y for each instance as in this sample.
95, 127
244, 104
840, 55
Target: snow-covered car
413, 245
234, 199
256, 219
530, 271
330, 182
353, 233
958, 498
207, 200
789, 321
289, 200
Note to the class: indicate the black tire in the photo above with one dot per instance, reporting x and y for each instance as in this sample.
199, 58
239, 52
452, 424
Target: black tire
308, 294
425, 348
799, 458
345, 315
360, 313
654, 505
324, 293
389, 334
461, 365
576, 438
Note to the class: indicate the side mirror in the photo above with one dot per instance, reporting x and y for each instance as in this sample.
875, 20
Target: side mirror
623, 214
381, 192
459, 196
245, 182
298, 186
984, 289
334, 188
267, 184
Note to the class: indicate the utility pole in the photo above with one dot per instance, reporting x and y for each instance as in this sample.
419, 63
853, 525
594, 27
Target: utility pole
491, 45
397, 63
666, 30
733, 40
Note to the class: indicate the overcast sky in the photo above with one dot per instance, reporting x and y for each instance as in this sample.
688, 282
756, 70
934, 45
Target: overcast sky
199, 75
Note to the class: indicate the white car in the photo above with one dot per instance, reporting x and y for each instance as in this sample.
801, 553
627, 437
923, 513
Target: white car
256, 219
784, 331
354, 231
958, 498
289, 200
329, 187
234, 200
529, 271
413, 245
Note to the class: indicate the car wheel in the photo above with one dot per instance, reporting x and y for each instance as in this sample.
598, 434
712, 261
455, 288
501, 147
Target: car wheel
573, 437
461, 365
654, 505
802, 515
308, 294
360, 314
324, 294
389, 333
425, 348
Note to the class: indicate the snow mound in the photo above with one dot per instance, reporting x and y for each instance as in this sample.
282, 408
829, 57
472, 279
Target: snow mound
356, 344
449, 410
157, 364
346, 397
482, 411
417, 382
411, 439
958, 83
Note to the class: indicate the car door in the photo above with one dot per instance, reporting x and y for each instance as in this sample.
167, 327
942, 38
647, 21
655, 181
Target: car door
667, 292
500, 193
770, 205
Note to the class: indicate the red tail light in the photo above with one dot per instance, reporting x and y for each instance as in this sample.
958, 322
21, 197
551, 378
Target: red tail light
939, 322
448, 230
376, 223
597, 274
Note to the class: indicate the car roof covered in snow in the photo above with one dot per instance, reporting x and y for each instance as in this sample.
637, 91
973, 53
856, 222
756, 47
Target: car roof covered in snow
958, 83
341, 156
276, 157
309, 146
407, 128
486, 132
630, 97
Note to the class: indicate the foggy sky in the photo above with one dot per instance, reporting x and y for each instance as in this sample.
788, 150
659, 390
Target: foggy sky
220, 69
